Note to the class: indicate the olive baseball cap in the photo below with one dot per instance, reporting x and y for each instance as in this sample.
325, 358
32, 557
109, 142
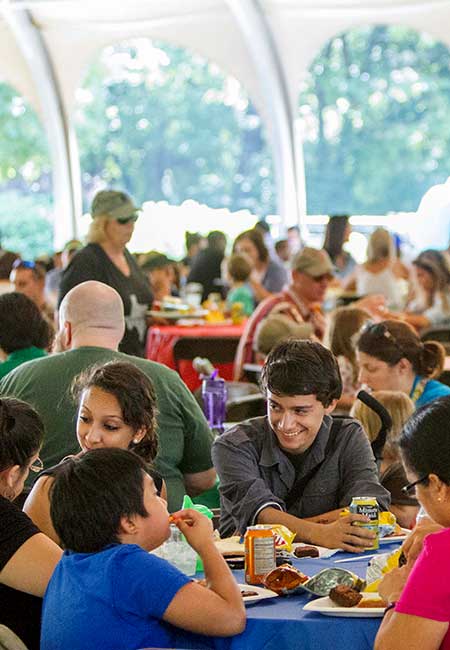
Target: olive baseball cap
156, 260
313, 262
113, 204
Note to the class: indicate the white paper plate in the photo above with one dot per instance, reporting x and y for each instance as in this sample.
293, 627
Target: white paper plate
326, 607
173, 314
395, 538
261, 593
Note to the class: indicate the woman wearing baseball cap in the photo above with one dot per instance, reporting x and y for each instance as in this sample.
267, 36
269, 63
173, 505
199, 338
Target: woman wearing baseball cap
106, 259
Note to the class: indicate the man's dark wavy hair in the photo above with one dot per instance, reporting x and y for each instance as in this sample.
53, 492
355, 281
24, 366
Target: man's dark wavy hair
300, 367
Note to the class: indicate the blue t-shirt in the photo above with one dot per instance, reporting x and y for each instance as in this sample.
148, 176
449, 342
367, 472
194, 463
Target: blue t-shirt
433, 389
111, 600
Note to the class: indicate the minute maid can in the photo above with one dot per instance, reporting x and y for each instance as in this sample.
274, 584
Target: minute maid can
367, 506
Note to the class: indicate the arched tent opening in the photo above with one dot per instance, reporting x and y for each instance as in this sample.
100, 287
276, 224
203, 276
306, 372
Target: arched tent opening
168, 125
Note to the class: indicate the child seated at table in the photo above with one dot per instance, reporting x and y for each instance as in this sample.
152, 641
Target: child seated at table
108, 591
343, 326
238, 272
392, 473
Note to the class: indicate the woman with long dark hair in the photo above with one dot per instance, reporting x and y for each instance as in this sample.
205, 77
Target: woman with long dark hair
27, 557
268, 276
418, 615
116, 408
336, 234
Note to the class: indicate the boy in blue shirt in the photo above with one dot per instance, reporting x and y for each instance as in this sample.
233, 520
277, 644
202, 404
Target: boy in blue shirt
108, 591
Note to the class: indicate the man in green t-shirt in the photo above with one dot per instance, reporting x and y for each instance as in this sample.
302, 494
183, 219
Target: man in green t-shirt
91, 327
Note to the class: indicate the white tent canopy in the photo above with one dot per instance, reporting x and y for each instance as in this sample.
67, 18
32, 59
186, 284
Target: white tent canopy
46, 46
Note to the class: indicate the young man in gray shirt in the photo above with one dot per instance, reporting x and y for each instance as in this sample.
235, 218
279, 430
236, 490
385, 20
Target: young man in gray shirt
297, 465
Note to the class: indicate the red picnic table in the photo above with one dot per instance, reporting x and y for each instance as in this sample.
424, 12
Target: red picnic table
161, 340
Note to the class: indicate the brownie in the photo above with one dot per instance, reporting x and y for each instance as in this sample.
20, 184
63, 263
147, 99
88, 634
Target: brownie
306, 551
345, 596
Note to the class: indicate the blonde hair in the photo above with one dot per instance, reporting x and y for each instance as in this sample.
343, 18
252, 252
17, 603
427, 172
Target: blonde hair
344, 323
399, 406
380, 246
96, 233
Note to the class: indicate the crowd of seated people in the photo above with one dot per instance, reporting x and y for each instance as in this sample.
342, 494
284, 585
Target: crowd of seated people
94, 410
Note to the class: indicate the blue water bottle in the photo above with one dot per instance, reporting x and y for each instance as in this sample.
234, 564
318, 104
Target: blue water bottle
214, 393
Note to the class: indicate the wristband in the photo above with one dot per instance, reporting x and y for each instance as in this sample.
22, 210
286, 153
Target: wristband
388, 608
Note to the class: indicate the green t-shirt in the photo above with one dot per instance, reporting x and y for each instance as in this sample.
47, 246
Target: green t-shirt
184, 436
18, 357
244, 295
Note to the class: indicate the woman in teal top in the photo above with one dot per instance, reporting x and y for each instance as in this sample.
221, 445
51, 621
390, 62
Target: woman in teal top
24, 332
392, 357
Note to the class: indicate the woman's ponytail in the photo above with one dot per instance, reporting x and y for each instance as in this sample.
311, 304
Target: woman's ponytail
431, 360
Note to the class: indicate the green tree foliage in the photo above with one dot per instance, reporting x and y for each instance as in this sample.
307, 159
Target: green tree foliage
25, 181
25, 226
168, 125
374, 113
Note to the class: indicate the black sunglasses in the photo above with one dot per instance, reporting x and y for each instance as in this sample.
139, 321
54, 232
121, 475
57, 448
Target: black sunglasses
410, 488
324, 276
125, 220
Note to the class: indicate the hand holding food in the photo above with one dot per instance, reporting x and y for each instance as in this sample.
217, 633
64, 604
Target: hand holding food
412, 545
195, 527
391, 586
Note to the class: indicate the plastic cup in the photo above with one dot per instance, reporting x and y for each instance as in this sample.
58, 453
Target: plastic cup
214, 393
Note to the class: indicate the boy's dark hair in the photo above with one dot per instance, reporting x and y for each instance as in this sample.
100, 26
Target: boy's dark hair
90, 495
136, 396
424, 441
21, 433
301, 367
239, 267
22, 324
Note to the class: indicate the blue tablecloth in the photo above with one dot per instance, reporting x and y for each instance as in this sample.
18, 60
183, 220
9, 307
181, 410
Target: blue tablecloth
281, 624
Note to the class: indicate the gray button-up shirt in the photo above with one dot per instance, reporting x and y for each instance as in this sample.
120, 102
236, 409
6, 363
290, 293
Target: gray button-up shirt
255, 473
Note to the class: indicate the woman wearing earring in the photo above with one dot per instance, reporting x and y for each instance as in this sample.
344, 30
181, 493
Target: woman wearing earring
27, 557
392, 357
106, 259
116, 408
418, 615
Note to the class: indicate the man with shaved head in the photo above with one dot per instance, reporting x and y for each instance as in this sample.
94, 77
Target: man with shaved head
91, 326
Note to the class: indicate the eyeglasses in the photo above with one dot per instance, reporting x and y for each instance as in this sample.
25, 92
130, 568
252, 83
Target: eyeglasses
410, 489
124, 220
23, 264
37, 466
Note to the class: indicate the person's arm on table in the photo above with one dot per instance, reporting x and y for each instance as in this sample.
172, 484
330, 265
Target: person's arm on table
326, 517
37, 507
218, 609
31, 566
405, 632
401, 631
339, 534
